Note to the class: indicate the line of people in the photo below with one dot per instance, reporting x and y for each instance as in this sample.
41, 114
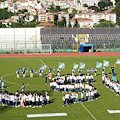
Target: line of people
112, 84
23, 100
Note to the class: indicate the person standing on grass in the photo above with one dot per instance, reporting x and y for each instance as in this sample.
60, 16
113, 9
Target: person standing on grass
73, 72
24, 73
88, 71
17, 72
58, 70
2, 84
103, 70
31, 72
79, 71
40, 73
112, 70
49, 77
47, 98
95, 71
23, 88
46, 76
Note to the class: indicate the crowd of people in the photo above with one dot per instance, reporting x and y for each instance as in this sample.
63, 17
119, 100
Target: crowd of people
86, 95
74, 85
20, 99
112, 84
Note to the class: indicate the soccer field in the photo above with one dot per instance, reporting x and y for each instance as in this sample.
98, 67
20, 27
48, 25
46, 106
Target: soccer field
93, 110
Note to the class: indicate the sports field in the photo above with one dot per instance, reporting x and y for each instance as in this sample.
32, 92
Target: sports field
93, 110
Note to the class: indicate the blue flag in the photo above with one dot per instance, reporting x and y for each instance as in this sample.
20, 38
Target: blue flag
75, 66
98, 65
118, 61
82, 65
106, 63
61, 65
43, 67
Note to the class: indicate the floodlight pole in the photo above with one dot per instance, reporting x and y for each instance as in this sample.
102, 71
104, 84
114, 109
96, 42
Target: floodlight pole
95, 37
109, 36
14, 30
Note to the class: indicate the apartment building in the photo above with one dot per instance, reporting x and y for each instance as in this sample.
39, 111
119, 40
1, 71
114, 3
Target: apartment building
97, 16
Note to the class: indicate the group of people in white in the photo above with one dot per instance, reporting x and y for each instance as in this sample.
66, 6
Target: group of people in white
23, 100
74, 85
112, 84
89, 93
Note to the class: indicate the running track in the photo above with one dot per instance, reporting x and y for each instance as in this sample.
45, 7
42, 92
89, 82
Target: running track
60, 54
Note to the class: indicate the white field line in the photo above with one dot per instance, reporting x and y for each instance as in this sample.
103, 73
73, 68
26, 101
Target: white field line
88, 111
7, 75
46, 65
12, 82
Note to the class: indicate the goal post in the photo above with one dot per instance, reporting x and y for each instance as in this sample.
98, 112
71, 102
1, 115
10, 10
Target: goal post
38, 48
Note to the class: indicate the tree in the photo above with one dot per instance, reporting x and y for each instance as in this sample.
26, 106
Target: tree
17, 25
95, 8
85, 5
4, 14
69, 24
2, 26
76, 23
58, 8
63, 22
74, 11
105, 23
65, 9
117, 11
101, 5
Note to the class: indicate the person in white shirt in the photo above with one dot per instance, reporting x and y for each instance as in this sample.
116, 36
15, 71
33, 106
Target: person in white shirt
82, 96
76, 97
92, 95
67, 96
47, 99
37, 100
2, 84
92, 78
33, 100
30, 99
0, 98
41, 100
103, 79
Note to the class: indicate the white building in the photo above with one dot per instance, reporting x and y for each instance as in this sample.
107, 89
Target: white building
97, 16
89, 2
83, 22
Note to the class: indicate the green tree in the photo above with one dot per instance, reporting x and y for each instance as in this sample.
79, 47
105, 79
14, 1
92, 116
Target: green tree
17, 25
74, 11
101, 5
63, 22
95, 8
76, 23
4, 14
85, 5
65, 9
69, 24
58, 8
2, 26
105, 23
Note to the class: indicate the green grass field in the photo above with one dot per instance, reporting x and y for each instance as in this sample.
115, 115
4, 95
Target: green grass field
97, 108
